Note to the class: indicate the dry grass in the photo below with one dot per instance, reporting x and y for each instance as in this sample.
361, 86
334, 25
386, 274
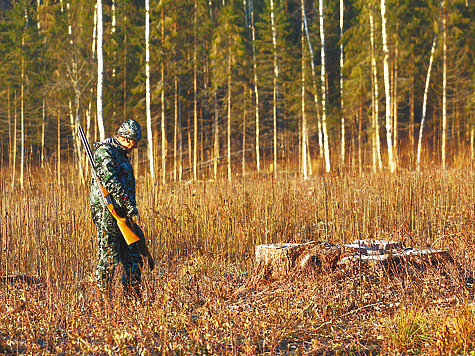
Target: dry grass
203, 235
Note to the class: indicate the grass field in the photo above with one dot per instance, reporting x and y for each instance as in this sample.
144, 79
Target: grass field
203, 234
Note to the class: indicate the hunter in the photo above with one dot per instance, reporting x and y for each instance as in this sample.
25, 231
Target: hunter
115, 172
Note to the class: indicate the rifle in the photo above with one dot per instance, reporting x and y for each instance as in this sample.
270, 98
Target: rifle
129, 234
131, 231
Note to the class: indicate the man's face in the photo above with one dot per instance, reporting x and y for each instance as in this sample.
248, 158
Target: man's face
128, 143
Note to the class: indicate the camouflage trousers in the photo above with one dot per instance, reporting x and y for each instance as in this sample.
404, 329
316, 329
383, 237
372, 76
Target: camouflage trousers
112, 250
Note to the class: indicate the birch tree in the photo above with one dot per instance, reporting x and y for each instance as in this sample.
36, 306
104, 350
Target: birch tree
303, 113
256, 86
444, 85
343, 144
100, 72
314, 81
324, 88
162, 97
14, 154
387, 86
195, 95
424, 104
275, 76
22, 116
377, 162
147, 90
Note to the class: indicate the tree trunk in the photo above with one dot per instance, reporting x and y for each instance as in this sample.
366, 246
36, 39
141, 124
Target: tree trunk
147, 89
377, 162
411, 117
100, 72
360, 138
392, 163
164, 134
94, 33
256, 88
395, 104
343, 143
188, 132
43, 124
276, 75
304, 117
216, 132
175, 134
22, 162
229, 115
472, 146
424, 104
9, 129
444, 87
314, 81
244, 133
180, 133
59, 149
14, 141
326, 148
195, 101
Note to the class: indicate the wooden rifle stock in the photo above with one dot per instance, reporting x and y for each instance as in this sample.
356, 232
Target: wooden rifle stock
125, 228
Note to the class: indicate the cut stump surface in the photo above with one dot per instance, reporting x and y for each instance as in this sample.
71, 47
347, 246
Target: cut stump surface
283, 261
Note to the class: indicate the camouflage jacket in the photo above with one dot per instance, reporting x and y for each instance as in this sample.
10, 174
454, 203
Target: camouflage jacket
116, 174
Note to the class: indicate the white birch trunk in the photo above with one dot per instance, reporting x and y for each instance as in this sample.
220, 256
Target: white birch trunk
256, 90
444, 88
195, 101
377, 161
70, 32
94, 35
147, 89
343, 143
38, 3
229, 115
22, 162
326, 148
43, 124
304, 117
59, 149
112, 32
9, 129
113, 17
244, 133
276, 75
314, 81
100, 72
424, 105
164, 134
164, 139
392, 163
175, 133
472, 146
395, 104
216, 133
15, 125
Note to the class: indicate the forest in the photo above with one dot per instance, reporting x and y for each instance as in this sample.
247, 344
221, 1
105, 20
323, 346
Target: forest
324, 85
266, 123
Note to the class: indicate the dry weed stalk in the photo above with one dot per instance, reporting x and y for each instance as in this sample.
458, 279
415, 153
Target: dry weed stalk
203, 235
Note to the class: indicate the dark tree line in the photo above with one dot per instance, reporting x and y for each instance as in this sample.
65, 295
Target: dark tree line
223, 71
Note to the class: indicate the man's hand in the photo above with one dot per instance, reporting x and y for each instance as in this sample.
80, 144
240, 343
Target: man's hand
134, 212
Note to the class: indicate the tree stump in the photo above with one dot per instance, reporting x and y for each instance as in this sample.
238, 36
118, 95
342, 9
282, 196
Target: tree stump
281, 260
288, 261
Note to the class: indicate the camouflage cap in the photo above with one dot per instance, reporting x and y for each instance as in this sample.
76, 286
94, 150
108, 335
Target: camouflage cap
130, 129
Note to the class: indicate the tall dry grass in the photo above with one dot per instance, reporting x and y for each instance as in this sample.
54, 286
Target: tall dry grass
203, 235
